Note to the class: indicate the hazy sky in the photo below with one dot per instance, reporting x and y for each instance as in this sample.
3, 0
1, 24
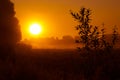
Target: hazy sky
55, 18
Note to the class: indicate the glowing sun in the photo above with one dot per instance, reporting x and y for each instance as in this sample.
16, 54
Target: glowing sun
35, 29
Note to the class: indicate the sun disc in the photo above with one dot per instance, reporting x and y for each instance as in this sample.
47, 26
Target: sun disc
35, 29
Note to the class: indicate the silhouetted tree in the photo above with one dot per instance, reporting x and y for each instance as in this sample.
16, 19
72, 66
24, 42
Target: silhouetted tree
90, 35
114, 36
87, 36
107, 45
9, 28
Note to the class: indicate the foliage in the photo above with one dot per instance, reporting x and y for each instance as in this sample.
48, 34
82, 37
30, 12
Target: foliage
114, 36
10, 33
9, 25
61, 65
83, 17
109, 45
90, 35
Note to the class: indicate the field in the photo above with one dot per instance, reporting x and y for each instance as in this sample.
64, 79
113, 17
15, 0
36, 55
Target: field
60, 64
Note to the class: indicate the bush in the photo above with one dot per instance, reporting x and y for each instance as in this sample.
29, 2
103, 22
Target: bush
89, 35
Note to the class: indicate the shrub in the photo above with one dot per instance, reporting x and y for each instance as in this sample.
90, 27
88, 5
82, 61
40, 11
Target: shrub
89, 35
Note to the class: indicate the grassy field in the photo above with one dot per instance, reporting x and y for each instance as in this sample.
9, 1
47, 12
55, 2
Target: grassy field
60, 64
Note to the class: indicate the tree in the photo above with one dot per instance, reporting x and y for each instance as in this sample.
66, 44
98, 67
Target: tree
90, 35
9, 28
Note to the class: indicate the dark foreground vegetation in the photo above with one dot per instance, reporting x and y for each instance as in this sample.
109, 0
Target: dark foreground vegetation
98, 60
61, 65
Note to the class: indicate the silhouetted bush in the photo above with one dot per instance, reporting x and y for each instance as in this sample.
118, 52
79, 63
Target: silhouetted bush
9, 26
10, 32
90, 35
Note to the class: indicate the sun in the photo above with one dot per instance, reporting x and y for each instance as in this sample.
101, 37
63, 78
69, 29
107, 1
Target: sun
35, 29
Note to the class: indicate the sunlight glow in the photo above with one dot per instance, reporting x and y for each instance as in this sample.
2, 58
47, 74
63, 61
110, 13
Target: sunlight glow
35, 29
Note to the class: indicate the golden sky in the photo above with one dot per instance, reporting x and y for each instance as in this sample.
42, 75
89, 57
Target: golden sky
55, 18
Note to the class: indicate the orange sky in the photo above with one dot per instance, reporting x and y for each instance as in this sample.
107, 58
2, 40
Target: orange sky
55, 18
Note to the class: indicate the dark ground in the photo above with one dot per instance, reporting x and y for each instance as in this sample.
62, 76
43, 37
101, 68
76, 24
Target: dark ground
46, 64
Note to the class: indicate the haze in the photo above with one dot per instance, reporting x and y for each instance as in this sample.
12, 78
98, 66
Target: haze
55, 17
